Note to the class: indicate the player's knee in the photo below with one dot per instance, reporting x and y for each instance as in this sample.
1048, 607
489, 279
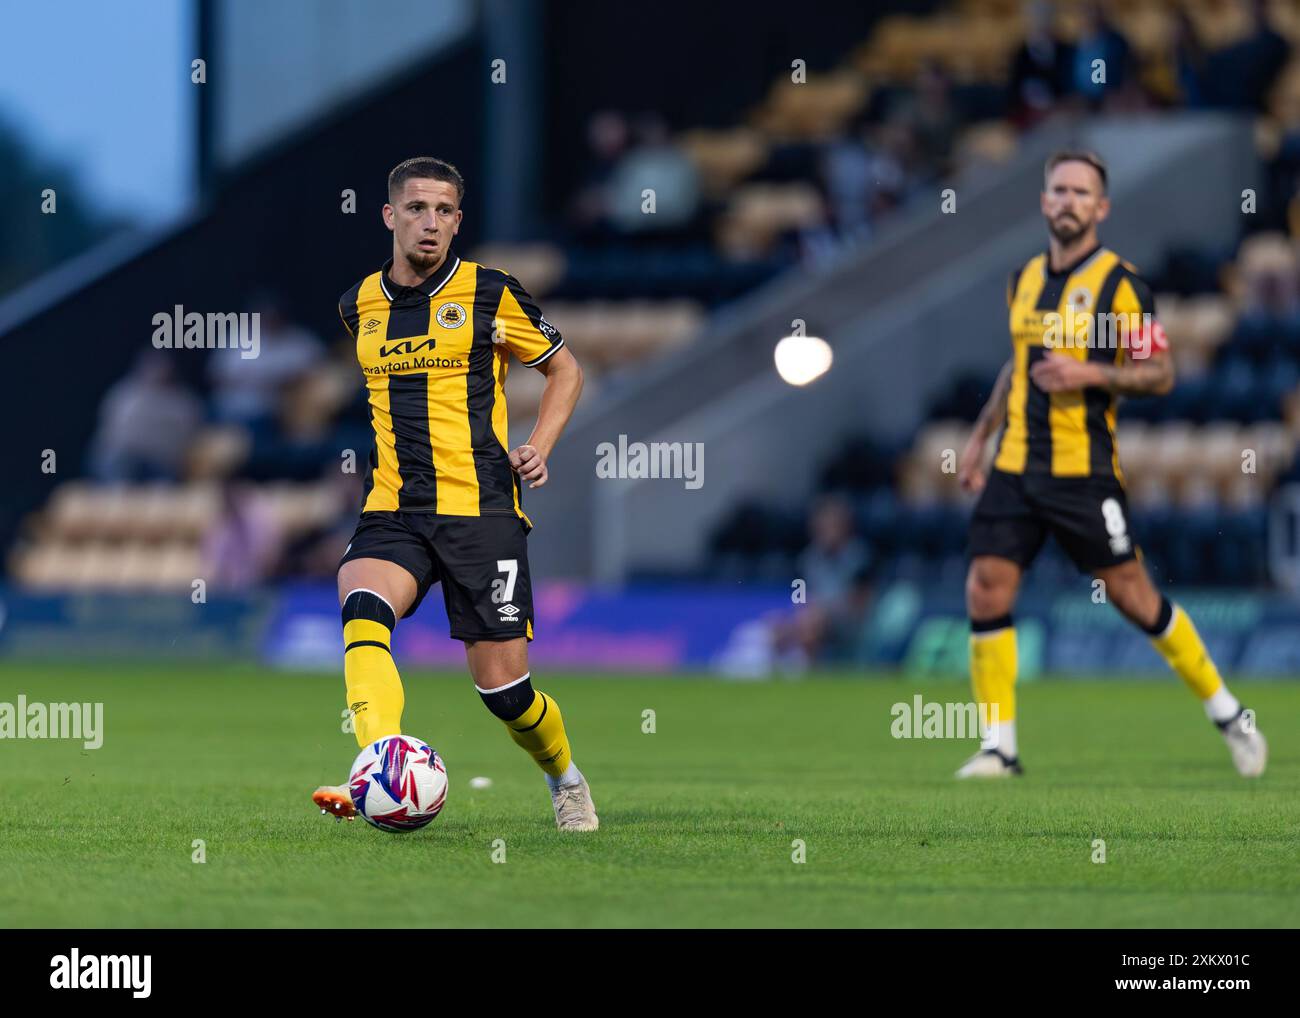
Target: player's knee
987, 604
495, 662
367, 604
988, 593
510, 700
395, 587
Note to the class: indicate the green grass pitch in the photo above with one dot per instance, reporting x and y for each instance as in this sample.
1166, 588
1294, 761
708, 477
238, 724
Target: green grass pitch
698, 819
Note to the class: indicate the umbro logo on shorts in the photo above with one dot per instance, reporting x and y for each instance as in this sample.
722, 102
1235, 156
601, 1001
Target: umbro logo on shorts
508, 613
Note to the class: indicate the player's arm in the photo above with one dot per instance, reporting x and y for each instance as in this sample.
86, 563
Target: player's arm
563, 387
995, 410
1153, 376
538, 344
970, 469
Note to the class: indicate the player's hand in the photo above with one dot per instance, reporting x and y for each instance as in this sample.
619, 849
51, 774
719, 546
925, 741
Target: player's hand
529, 464
970, 467
1058, 372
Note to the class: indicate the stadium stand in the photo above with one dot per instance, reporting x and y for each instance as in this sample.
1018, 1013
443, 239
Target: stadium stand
805, 174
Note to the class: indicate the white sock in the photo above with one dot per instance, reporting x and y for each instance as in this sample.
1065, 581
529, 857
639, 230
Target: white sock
571, 776
1222, 705
1002, 737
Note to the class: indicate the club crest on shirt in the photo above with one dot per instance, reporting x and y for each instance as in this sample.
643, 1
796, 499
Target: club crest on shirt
451, 315
1080, 299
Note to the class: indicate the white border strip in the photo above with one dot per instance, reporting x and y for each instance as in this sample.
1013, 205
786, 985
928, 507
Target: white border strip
367, 590
522, 678
545, 356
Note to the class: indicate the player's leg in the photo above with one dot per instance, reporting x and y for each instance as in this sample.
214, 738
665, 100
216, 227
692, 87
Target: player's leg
504, 683
992, 583
533, 720
483, 562
384, 575
373, 595
1005, 536
1129, 588
1090, 519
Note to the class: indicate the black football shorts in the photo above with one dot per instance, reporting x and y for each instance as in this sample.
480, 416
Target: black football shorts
481, 562
1088, 516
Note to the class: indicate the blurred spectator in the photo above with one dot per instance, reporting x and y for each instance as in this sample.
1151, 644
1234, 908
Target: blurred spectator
1267, 333
863, 177
242, 549
1189, 61
836, 570
848, 173
1099, 41
835, 555
608, 135
1270, 286
1041, 68
145, 424
246, 390
929, 119
653, 164
1239, 76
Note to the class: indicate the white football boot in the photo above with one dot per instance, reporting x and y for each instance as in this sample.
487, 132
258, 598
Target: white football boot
989, 763
1246, 744
335, 801
574, 810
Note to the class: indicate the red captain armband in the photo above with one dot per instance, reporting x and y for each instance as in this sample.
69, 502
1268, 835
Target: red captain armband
1149, 338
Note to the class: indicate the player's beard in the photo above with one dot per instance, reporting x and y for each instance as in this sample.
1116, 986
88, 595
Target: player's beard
422, 262
1066, 231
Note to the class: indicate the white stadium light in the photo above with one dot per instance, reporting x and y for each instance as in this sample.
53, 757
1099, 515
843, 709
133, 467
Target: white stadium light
800, 359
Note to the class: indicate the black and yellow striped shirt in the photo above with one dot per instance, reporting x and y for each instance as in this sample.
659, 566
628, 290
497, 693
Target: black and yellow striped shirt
434, 358
1068, 434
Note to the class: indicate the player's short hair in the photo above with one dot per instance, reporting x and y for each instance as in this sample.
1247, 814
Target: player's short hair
425, 167
1076, 155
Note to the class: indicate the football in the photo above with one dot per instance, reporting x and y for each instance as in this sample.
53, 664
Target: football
398, 783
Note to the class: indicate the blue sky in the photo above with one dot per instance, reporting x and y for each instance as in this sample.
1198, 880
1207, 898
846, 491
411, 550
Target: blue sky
104, 90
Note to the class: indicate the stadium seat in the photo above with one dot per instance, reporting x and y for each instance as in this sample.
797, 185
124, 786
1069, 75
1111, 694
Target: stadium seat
538, 267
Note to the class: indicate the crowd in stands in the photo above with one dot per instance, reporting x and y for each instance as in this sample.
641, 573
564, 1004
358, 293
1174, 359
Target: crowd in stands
1202, 466
255, 475
1202, 463
822, 162
813, 165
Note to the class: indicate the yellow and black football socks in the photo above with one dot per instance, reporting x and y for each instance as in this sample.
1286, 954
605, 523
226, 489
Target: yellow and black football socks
1175, 637
993, 679
374, 688
534, 721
